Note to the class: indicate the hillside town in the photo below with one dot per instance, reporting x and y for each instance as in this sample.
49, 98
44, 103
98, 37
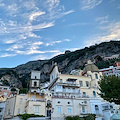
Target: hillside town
74, 94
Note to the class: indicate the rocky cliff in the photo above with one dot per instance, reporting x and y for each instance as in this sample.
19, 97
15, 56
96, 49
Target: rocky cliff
20, 75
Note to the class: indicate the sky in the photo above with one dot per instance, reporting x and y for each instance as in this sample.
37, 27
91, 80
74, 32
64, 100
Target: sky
40, 29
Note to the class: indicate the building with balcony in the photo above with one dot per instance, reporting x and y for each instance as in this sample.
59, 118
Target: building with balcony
111, 71
71, 93
25, 103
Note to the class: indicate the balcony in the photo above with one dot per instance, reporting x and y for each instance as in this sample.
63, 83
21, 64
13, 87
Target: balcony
65, 97
69, 84
85, 96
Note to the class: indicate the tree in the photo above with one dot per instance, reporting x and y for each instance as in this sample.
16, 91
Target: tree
110, 88
23, 91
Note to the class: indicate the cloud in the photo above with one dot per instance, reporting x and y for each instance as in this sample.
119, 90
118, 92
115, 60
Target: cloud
68, 40
9, 41
7, 55
102, 20
52, 4
53, 42
39, 57
42, 26
59, 41
15, 47
68, 12
22, 19
35, 14
112, 32
78, 24
89, 4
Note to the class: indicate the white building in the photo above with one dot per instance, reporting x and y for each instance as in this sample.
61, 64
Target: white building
71, 94
111, 71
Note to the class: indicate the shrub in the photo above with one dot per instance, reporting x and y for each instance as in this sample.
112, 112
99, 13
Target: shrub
26, 116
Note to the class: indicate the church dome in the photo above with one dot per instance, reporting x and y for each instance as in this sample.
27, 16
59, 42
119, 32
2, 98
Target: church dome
90, 67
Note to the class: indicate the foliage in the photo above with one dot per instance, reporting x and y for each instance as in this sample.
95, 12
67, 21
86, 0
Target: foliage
72, 118
26, 116
13, 89
110, 88
5, 82
23, 90
106, 63
88, 117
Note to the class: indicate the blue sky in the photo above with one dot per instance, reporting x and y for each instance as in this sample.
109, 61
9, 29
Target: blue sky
40, 29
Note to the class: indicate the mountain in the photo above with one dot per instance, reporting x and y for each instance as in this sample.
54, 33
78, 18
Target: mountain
20, 75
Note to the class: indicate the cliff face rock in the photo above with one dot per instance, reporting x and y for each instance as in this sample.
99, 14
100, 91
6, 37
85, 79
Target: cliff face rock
66, 62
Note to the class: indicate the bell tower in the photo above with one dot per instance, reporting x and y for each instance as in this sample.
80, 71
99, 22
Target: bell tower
35, 81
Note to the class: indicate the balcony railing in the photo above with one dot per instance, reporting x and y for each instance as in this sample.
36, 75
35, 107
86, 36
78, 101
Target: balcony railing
66, 97
70, 84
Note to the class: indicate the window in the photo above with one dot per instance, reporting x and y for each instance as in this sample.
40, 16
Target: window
94, 93
73, 90
59, 87
69, 110
96, 76
35, 77
81, 84
96, 107
61, 80
59, 109
18, 111
35, 84
36, 109
84, 94
5, 93
58, 101
8, 112
83, 109
68, 102
87, 84
20, 100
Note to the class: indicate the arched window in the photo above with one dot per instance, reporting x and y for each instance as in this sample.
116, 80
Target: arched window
87, 84
96, 107
84, 94
35, 84
94, 93
96, 76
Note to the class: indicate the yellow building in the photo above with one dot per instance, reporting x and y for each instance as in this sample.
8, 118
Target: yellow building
71, 93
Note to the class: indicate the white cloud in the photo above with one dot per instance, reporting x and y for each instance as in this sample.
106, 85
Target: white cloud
89, 4
23, 19
35, 14
68, 12
9, 41
42, 26
52, 4
39, 57
68, 40
38, 43
53, 42
112, 32
7, 55
102, 20
15, 47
